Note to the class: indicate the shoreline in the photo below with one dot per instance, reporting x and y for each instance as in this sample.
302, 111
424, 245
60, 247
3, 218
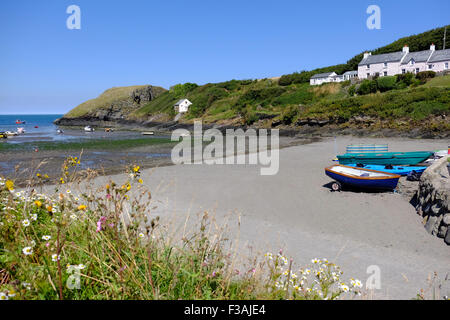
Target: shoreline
311, 127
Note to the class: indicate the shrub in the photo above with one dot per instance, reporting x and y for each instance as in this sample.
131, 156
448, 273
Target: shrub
289, 115
386, 83
367, 86
425, 75
406, 78
352, 90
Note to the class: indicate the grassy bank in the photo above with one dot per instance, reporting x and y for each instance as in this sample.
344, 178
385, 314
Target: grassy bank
97, 144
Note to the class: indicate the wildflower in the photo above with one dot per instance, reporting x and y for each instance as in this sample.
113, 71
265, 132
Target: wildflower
9, 185
68, 191
81, 266
315, 261
136, 169
141, 181
26, 285
100, 222
38, 203
82, 207
3, 296
46, 238
12, 293
26, 223
344, 287
27, 251
73, 217
141, 235
33, 217
33, 243
49, 208
55, 257
356, 283
38, 175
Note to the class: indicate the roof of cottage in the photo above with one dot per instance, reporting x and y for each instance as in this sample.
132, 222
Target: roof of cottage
440, 55
349, 73
180, 102
382, 58
418, 56
322, 75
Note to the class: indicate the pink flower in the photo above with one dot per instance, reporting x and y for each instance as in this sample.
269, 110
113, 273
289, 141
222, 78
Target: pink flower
108, 196
100, 222
47, 244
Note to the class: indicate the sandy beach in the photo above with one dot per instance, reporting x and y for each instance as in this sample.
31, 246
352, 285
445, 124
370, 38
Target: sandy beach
296, 211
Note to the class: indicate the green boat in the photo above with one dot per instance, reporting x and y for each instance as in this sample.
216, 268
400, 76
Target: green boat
385, 158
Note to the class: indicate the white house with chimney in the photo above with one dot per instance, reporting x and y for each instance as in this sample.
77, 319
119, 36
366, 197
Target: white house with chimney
182, 106
390, 64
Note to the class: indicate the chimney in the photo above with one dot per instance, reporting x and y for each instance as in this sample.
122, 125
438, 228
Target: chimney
432, 47
406, 49
366, 54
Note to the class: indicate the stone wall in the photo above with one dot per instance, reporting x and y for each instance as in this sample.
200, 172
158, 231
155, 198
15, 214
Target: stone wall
432, 200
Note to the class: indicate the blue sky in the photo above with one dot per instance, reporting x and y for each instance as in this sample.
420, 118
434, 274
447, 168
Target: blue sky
47, 68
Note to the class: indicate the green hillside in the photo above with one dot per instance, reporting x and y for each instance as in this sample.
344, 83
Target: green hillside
288, 100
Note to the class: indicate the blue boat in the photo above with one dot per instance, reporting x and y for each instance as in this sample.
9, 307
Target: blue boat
361, 178
400, 170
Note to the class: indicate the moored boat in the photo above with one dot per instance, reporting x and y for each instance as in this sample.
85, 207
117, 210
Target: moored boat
361, 178
400, 170
147, 133
89, 129
385, 158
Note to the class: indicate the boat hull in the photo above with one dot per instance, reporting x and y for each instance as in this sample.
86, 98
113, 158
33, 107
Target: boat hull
402, 171
386, 158
386, 182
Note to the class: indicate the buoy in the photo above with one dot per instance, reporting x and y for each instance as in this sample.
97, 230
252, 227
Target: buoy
36, 150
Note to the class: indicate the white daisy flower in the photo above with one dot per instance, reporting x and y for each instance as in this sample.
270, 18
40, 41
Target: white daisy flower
3, 296
26, 223
55, 257
27, 251
46, 238
141, 235
34, 217
344, 287
81, 266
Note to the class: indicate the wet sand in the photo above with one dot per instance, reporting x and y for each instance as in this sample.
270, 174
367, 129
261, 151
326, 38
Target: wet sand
295, 210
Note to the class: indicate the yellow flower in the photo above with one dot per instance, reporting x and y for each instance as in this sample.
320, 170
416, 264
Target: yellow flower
107, 187
9, 185
49, 208
82, 207
136, 168
61, 180
38, 203
38, 175
141, 181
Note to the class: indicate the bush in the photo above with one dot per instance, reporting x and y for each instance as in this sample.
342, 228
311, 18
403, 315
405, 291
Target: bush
352, 90
289, 115
367, 86
386, 83
425, 75
406, 78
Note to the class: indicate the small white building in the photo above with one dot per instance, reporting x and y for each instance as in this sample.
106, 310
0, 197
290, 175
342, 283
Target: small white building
350, 75
320, 78
182, 106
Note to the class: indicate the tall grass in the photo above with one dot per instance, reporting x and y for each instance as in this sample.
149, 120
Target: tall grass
105, 243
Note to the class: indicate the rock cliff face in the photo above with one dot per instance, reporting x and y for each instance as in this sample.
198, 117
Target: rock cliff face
433, 199
114, 105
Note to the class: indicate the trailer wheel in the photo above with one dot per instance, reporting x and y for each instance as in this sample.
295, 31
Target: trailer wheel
336, 186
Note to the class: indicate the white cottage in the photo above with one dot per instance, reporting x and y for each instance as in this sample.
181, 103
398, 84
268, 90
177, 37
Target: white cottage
390, 64
320, 78
182, 105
